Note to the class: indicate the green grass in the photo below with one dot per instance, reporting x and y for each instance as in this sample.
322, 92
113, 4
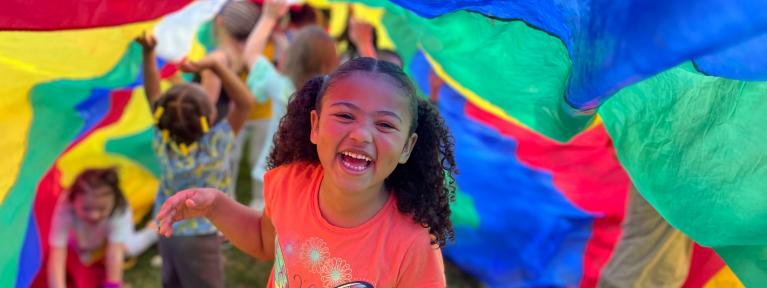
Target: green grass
242, 270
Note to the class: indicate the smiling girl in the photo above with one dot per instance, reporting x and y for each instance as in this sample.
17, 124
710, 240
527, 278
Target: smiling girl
359, 190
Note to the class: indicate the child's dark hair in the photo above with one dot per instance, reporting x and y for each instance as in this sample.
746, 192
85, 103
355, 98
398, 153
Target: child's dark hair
424, 186
179, 111
92, 179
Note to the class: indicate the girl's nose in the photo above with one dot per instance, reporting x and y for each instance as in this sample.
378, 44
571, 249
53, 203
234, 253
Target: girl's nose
361, 134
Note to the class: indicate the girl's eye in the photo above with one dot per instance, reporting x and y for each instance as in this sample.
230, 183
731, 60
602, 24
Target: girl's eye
386, 125
345, 116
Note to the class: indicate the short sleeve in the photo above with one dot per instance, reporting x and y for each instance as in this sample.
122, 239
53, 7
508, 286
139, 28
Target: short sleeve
269, 179
120, 226
422, 266
263, 80
60, 224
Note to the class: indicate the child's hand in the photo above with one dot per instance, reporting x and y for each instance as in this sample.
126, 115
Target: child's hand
360, 33
151, 225
274, 9
147, 41
205, 63
185, 204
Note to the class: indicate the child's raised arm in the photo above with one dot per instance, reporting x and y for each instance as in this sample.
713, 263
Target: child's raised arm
254, 46
245, 227
233, 86
151, 74
361, 34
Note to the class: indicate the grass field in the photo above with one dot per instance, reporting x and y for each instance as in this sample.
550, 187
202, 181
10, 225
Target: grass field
242, 270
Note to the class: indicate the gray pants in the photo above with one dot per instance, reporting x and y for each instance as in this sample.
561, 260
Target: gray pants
650, 253
253, 134
191, 261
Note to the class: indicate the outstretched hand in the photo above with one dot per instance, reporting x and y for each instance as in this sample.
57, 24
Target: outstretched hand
147, 41
190, 203
275, 8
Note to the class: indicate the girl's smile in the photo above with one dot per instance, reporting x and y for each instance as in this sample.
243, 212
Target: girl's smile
355, 162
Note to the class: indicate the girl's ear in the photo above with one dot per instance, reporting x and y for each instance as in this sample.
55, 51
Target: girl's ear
408, 148
315, 122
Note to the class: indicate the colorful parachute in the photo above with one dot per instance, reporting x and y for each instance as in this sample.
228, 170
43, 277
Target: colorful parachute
675, 86
73, 102
687, 137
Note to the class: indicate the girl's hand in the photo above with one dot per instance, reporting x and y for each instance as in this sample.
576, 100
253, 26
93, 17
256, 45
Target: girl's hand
360, 33
274, 9
209, 62
190, 203
147, 41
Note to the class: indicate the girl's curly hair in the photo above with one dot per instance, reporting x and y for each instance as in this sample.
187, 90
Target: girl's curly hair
423, 186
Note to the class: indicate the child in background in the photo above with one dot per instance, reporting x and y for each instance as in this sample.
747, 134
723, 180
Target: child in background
359, 191
194, 151
232, 26
310, 53
90, 222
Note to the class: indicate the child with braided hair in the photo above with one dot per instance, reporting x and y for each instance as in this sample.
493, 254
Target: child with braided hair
194, 152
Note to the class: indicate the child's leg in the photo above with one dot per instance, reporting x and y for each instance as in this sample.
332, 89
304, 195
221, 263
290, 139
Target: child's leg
169, 275
257, 142
235, 157
199, 261
259, 170
81, 275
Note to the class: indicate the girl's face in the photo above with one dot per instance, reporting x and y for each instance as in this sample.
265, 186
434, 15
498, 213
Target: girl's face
94, 206
362, 132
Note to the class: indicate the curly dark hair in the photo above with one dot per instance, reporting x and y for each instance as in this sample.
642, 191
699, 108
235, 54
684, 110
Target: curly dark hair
89, 180
183, 105
423, 186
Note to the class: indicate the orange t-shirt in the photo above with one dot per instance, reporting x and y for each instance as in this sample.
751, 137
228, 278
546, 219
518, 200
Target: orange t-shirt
389, 250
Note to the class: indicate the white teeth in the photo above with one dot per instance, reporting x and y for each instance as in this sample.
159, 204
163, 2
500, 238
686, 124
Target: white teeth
357, 156
354, 167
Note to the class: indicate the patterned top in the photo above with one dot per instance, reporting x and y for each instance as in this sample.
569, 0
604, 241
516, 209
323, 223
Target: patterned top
206, 164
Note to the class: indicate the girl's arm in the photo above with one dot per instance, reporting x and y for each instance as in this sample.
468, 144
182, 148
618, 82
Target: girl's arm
209, 81
254, 46
114, 262
139, 241
57, 267
233, 86
151, 74
361, 34
244, 227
